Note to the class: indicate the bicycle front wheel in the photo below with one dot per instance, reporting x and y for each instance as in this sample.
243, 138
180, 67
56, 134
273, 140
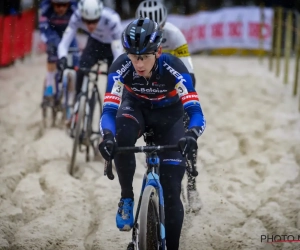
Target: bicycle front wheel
149, 226
78, 129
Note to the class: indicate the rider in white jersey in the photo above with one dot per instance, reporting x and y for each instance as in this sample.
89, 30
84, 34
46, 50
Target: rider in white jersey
174, 43
104, 42
107, 31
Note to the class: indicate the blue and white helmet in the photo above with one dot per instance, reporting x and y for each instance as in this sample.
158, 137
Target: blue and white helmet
142, 36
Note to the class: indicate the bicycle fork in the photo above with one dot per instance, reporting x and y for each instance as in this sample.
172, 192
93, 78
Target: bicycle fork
152, 179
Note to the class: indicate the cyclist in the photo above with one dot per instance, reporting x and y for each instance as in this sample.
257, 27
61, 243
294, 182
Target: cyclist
104, 28
174, 43
53, 21
159, 89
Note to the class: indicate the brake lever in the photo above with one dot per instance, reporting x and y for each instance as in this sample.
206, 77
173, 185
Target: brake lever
191, 167
108, 170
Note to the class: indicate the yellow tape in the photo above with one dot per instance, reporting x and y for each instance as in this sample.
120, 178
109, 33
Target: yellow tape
182, 51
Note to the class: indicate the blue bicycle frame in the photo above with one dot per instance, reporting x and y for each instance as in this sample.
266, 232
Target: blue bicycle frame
152, 179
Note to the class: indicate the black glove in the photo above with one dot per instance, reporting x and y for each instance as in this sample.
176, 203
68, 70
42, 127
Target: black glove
62, 63
188, 144
107, 146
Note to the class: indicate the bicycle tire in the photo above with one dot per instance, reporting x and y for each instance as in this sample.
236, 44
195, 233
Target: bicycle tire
81, 111
149, 226
68, 85
93, 102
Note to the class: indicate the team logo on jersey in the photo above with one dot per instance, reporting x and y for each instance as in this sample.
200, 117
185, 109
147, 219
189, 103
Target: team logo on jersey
156, 84
128, 108
135, 75
174, 72
124, 68
149, 90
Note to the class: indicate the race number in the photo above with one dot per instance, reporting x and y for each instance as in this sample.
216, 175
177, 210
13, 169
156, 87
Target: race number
117, 88
181, 89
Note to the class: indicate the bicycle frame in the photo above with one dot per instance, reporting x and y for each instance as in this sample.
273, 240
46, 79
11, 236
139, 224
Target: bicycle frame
151, 178
85, 91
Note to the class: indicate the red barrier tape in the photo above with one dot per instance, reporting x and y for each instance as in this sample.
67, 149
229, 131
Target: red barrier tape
16, 36
6, 41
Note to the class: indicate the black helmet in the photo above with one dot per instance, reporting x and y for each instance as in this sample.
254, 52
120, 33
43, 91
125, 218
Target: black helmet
141, 36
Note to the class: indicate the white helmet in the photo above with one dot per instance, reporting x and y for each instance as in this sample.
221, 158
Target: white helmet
153, 9
90, 9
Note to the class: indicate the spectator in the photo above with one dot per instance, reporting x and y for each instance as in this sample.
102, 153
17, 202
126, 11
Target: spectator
10, 7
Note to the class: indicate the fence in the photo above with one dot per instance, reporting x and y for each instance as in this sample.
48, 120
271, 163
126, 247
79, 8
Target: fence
286, 43
16, 33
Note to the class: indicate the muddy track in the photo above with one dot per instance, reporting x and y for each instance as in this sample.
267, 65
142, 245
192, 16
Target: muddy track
249, 167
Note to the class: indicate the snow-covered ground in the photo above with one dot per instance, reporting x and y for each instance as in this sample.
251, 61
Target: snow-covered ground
249, 177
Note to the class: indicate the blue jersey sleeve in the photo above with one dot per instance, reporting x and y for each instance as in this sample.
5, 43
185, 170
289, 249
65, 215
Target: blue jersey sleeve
187, 93
112, 98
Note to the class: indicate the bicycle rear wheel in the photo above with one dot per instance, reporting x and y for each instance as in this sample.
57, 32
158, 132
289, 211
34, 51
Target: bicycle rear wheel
78, 129
93, 129
149, 232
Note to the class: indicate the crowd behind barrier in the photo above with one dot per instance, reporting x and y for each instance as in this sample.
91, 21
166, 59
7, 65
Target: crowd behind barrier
16, 35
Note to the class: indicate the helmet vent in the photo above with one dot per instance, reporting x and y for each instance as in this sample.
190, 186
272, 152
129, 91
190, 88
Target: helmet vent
140, 22
137, 40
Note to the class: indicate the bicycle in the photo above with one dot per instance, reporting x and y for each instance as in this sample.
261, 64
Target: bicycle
81, 127
149, 232
56, 102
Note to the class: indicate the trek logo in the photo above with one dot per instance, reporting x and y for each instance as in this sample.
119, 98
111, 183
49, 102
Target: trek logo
150, 90
174, 72
124, 68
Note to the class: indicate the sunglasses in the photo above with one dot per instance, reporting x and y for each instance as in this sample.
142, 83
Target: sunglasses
90, 21
60, 5
143, 57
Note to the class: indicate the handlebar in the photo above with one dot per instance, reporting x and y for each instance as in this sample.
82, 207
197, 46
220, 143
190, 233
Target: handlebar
147, 149
87, 70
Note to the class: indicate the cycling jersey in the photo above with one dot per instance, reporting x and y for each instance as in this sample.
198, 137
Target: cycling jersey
51, 25
170, 82
109, 30
175, 43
